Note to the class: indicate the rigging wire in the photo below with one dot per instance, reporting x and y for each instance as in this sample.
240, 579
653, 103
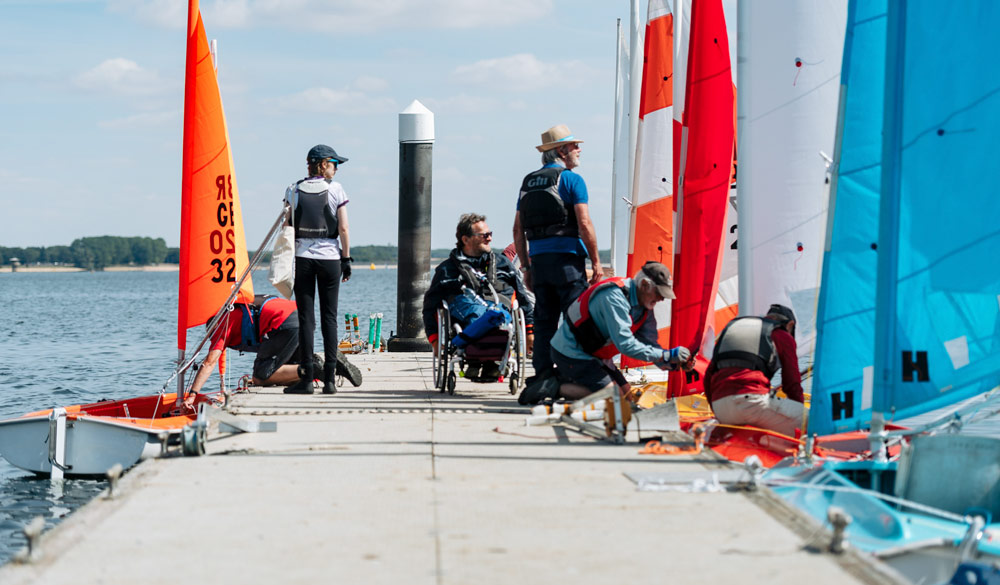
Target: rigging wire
213, 325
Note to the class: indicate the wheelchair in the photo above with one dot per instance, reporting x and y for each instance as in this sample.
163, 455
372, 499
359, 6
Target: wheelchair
503, 347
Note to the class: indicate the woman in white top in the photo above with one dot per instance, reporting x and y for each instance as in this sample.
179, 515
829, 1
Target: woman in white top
322, 257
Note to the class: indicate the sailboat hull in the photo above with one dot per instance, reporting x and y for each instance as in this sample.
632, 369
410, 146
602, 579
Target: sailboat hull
93, 446
922, 547
92, 438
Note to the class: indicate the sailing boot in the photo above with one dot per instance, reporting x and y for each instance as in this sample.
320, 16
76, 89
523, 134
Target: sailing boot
348, 370
330, 378
318, 362
305, 383
545, 387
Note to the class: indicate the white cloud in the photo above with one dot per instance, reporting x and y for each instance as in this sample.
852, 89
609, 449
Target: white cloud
164, 13
523, 72
9, 177
326, 100
228, 13
343, 16
367, 83
464, 104
121, 76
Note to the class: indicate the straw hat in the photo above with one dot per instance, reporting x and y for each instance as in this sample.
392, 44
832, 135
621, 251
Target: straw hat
556, 136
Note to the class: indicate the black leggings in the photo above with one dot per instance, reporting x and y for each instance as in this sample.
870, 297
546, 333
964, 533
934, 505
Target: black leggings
309, 272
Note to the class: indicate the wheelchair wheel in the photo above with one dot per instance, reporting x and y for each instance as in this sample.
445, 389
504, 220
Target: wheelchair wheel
452, 380
440, 362
520, 352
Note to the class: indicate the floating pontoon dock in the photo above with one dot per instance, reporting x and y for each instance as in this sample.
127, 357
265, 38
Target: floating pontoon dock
395, 483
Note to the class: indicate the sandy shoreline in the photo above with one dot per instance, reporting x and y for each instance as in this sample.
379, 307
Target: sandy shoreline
157, 268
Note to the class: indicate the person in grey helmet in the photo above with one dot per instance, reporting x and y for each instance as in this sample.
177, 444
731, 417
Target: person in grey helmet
748, 353
322, 258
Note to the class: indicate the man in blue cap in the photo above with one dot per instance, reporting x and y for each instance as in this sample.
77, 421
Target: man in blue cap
322, 257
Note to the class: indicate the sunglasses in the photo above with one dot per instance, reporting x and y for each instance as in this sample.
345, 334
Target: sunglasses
335, 162
485, 235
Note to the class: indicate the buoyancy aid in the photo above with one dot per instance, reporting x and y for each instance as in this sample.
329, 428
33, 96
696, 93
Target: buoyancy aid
313, 217
250, 325
746, 343
544, 214
583, 326
476, 280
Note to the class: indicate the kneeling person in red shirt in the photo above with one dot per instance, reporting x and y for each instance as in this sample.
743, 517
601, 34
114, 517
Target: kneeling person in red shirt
269, 328
748, 353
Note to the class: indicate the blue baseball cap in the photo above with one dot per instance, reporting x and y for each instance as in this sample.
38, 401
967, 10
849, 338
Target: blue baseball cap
324, 152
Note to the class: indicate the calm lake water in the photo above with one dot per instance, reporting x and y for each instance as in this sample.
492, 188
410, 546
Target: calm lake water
71, 338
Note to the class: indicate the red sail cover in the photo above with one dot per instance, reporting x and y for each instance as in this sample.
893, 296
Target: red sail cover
703, 189
213, 251
651, 231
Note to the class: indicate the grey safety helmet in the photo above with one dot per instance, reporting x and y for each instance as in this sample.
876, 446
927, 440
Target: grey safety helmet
782, 314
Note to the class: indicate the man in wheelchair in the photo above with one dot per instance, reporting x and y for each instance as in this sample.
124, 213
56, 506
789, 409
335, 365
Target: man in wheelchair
467, 281
612, 316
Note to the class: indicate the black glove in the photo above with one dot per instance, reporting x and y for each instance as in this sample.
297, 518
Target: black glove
345, 268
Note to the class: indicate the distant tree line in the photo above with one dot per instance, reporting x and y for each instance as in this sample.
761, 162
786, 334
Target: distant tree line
96, 253
93, 253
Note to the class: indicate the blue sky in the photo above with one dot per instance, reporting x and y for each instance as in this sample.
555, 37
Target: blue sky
91, 94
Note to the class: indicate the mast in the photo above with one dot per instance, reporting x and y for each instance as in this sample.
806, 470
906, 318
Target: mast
743, 201
888, 249
614, 152
634, 90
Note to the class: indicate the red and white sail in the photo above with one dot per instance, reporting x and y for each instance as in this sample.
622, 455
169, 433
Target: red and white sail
658, 158
652, 214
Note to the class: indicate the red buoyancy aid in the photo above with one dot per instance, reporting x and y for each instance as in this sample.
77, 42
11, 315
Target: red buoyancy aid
585, 330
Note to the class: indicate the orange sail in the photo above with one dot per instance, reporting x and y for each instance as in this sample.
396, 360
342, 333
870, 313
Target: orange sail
213, 251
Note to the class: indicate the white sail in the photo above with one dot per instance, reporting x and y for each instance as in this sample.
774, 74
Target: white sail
789, 78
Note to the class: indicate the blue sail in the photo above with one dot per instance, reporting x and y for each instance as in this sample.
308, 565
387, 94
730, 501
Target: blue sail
938, 319
842, 390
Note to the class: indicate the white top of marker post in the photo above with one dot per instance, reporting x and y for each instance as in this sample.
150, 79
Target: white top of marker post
416, 124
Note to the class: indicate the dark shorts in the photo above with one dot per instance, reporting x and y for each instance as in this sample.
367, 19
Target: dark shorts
589, 373
277, 348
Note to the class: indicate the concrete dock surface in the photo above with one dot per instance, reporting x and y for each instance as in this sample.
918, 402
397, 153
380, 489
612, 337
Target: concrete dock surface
394, 482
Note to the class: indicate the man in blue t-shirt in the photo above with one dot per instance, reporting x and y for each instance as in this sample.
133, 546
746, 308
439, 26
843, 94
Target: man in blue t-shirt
553, 236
